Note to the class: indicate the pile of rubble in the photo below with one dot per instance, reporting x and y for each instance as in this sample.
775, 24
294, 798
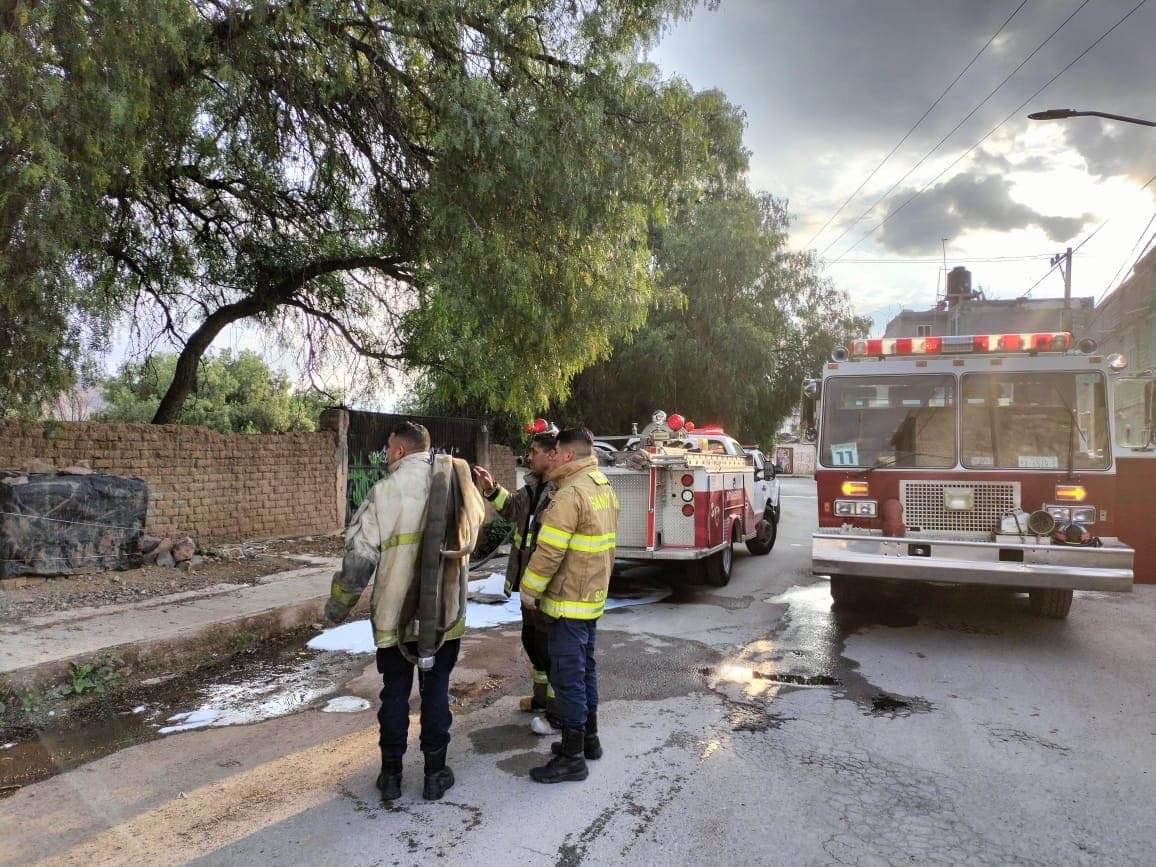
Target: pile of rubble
168, 553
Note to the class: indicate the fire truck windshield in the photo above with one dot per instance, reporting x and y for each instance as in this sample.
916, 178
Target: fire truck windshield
1035, 420
885, 421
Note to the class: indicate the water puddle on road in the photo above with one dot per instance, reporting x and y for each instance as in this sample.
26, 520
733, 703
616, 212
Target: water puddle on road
806, 650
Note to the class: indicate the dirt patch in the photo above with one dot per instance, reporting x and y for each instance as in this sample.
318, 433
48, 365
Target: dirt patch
244, 563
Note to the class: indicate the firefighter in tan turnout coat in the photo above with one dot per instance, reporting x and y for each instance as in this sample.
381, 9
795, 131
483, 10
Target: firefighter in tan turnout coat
567, 581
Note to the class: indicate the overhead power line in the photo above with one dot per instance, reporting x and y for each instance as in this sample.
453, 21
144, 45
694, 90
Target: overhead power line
939, 261
993, 130
1129, 258
952, 132
1058, 261
914, 126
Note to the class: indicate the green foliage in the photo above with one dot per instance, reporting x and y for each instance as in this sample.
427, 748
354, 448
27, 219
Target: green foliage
235, 394
85, 108
365, 471
498, 531
31, 701
459, 189
86, 677
756, 318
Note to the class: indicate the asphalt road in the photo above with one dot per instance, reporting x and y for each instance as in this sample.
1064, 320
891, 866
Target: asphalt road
743, 725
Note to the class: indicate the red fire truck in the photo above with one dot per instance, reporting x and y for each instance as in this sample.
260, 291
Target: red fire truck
689, 496
978, 460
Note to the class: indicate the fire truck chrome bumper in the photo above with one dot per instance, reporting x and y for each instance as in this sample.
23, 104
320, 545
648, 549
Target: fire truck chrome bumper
964, 562
621, 553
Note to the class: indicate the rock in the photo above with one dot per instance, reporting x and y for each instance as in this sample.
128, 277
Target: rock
192, 564
13, 481
148, 544
36, 465
80, 468
165, 560
165, 546
184, 549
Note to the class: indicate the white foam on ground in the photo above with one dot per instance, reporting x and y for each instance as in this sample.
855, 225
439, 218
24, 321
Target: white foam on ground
357, 637
197, 719
346, 704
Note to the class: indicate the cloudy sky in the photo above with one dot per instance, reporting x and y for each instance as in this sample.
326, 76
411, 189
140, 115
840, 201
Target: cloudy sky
830, 87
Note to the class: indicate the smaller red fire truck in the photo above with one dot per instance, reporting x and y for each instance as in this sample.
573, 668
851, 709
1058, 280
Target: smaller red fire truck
690, 495
979, 459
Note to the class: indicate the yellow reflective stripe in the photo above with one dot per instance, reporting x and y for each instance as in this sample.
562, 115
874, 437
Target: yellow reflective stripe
554, 537
345, 597
384, 637
572, 610
534, 582
599, 477
456, 630
517, 538
508, 587
500, 498
593, 544
540, 676
401, 539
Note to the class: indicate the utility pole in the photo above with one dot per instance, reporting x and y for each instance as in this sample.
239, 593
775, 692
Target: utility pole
1066, 270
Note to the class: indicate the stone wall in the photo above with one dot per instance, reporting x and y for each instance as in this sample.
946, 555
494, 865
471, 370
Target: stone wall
211, 486
503, 467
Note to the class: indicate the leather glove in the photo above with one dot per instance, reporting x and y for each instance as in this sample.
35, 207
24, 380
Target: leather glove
335, 611
528, 602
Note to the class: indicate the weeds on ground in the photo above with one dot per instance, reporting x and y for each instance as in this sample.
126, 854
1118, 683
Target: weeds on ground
87, 677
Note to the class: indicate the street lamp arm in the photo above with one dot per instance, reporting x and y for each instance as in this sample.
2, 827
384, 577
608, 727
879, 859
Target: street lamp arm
1062, 113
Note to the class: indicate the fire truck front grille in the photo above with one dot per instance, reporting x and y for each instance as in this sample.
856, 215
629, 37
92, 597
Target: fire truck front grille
923, 507
633, 490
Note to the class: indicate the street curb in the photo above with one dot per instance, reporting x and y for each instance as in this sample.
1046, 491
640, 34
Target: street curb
181, 654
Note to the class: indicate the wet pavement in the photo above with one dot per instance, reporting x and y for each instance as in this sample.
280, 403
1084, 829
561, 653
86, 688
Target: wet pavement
274, 680
750, 724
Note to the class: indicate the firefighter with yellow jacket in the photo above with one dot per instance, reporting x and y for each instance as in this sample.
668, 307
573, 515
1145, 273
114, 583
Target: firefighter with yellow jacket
567, 581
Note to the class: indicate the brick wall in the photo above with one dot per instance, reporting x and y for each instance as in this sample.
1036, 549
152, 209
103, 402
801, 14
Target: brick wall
503, 467
214, 487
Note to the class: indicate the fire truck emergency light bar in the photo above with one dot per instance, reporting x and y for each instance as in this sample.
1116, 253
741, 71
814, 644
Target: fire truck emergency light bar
1048, 341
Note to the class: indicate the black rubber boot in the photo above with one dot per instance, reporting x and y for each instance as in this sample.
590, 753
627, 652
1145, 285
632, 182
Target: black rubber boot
389, 780
591, 745
569, 765
438, 778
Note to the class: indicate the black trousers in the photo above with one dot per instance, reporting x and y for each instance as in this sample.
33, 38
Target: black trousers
536, 639
434, 685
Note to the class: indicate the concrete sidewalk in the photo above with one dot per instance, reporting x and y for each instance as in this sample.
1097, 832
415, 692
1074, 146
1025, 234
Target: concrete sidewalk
148, 634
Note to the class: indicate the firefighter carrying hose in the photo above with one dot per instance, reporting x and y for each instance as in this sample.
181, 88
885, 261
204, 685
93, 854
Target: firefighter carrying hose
386, 543
524, 510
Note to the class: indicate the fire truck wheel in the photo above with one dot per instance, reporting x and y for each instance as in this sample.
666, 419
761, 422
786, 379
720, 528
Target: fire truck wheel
846, 592
716, 568
766, 531
1051, 603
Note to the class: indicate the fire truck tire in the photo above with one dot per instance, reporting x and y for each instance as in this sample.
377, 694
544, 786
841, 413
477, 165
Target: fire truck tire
766, 531
1051, 603
716, 569
846, 591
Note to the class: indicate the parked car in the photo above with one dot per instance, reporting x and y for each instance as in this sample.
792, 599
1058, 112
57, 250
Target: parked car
766, 476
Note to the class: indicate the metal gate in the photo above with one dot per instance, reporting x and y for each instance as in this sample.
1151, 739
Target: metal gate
369, 433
